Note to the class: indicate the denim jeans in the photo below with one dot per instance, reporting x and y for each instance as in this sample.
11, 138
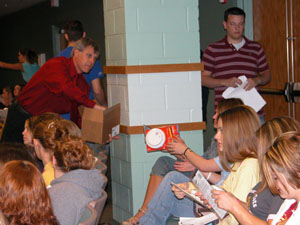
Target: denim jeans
164, 165
164, 203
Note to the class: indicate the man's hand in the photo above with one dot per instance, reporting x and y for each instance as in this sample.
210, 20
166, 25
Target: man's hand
251, 83
100, 107
232, 82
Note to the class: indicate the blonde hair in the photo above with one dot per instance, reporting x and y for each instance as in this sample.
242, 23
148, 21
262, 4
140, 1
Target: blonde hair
266, 135
239, 141
283, 157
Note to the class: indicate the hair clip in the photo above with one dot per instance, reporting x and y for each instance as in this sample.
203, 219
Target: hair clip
51, 125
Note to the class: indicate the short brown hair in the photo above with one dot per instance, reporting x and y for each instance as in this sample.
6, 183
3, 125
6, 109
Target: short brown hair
72, 153
239, 141
283, 157
24, 198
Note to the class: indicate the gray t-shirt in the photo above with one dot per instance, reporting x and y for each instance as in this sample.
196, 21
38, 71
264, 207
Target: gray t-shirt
264, 203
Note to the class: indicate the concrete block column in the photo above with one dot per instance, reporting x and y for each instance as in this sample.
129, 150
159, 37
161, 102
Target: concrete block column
153, 70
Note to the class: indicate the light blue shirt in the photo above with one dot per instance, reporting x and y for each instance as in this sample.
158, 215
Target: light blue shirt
29, 70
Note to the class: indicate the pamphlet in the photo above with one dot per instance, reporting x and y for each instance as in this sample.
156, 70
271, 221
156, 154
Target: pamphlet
205, 188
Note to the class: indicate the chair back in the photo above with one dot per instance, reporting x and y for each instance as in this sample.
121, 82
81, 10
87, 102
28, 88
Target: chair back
101, 167
102, 156
89, 216
98, 204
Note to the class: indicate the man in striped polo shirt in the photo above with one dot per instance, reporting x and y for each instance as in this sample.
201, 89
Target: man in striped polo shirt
233, 56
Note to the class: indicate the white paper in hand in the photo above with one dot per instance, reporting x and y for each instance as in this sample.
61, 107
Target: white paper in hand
251, 98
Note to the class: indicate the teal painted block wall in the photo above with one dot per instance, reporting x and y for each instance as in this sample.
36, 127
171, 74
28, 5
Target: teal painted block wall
131, 167
161, 31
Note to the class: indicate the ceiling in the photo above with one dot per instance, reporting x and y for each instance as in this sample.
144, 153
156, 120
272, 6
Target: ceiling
11, 6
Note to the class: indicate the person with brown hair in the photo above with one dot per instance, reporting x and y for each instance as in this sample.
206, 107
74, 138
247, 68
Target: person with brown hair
209, 162
24, 198
261, 204
236, 143
76, 182
281, 168
31, 122
27, 63
46, 134
58, 86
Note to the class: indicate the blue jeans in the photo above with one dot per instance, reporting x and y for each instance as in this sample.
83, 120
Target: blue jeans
164, 203
164, 165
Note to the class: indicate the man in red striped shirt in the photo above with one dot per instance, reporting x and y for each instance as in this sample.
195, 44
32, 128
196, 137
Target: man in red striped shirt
233, 56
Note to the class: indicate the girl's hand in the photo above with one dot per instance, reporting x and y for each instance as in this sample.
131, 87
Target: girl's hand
205, 201
224, 200
184, 166
177, 192
176, 146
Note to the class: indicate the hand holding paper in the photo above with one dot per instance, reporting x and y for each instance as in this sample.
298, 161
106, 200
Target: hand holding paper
251, 98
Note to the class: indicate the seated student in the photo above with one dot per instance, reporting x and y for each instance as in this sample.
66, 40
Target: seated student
29, 126
17, 90
236, 145
7, 97
166, 164
281, 168
76, 183
31, 122
45, 136
23, 194
261, 203
15, 151
27, 63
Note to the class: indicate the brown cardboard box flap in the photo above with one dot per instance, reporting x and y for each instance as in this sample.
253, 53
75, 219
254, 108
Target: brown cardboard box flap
98, 124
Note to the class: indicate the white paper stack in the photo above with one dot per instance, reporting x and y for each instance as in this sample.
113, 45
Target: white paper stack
251, 98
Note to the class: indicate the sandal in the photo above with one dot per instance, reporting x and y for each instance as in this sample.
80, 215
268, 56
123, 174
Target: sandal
134, 220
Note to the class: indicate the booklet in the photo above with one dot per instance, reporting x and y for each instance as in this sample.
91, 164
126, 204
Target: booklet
199, 183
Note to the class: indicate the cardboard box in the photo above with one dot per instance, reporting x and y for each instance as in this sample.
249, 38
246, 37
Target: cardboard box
97, 124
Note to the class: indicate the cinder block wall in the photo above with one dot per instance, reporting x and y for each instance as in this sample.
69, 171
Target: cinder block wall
143, 32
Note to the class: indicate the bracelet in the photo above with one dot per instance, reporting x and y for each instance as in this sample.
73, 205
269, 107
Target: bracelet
208, 176
186, 150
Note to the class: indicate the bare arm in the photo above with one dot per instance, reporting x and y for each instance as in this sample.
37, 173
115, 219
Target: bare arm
238, 209
98, 92
12, 66
177, 146
213, 178
262, 79
210, 82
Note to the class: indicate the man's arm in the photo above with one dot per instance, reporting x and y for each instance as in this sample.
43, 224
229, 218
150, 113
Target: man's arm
262, 79
98, 92
210, 82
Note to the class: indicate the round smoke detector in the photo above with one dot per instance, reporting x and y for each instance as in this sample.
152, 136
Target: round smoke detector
155, 138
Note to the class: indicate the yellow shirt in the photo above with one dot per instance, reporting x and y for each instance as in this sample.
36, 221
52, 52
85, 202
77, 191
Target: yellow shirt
242, 178
48, 174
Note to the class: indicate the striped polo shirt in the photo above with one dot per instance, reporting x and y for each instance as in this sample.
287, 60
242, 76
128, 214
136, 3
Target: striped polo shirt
224, 61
